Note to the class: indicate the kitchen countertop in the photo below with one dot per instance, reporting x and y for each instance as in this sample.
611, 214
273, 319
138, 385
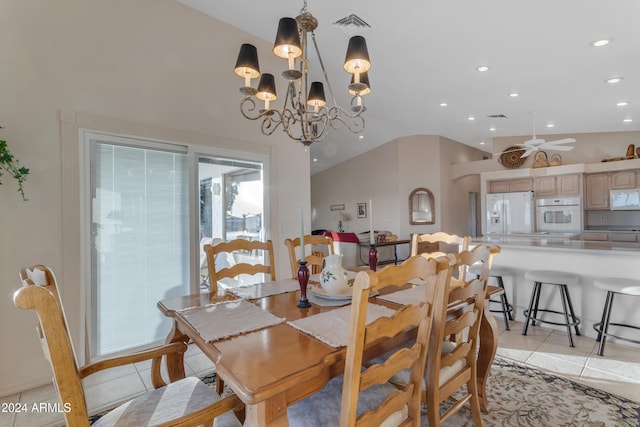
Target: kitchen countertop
559, 243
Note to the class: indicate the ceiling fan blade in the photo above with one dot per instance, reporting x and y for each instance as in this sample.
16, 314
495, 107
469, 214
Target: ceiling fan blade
528, 152
558, 148
561, 141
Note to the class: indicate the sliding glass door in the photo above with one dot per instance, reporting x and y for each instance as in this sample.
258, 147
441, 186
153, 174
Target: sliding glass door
140, 239
143, 199
231, 207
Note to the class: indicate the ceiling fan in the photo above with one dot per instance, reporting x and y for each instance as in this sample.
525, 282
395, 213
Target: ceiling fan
535, 144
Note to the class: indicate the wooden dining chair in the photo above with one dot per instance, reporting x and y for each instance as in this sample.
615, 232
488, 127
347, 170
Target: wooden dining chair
185, 402
314, 260
245, 250
452, 358
367, 398
440, 242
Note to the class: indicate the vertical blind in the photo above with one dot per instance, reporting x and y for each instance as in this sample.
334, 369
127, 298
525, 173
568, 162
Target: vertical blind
140, 240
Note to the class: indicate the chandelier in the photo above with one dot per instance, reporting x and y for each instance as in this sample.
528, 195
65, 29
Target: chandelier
305, 115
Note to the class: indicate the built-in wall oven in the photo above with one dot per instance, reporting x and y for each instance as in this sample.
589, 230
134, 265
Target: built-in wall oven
563, 214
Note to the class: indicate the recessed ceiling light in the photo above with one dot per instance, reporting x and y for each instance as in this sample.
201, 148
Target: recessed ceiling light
482, 68
614, 80
471, 118
443, 104
492, 129
514, 94
627, 120
550, 125
361, 136
481, 142
601, 42
315, 159
622, 104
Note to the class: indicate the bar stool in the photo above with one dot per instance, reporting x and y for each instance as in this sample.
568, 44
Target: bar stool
497, 273
557, 278
614, 285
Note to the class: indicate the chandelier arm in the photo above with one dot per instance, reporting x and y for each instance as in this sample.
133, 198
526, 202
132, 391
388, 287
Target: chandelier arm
270, 124
337, 114
248, 105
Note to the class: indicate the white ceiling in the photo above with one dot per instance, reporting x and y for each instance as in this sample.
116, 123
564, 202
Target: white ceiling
426, 52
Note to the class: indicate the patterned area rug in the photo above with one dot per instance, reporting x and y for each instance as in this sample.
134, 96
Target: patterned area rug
523, 396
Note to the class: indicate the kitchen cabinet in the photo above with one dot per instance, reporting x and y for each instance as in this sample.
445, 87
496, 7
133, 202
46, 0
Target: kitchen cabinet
623, 237
622, 180
596, 191
510, 185
600, 237
560, 185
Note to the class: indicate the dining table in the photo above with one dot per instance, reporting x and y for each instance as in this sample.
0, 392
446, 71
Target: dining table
278, 365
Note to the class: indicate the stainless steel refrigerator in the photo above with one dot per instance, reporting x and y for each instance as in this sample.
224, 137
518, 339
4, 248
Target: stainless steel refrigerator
509, 213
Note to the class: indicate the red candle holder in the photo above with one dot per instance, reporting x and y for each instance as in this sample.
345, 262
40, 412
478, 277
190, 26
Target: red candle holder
303, 280
373, 257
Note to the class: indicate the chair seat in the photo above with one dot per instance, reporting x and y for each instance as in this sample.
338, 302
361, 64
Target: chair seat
618, 285
166, 404
552, 276
323, 407
495, 271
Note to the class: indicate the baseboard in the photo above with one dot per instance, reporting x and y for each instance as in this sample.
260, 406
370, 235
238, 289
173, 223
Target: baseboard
19, 387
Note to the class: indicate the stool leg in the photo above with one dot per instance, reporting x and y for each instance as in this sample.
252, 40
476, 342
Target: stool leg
505, 300
505, 310
565, 309
604, 326
573, 314
528, 312
536, 303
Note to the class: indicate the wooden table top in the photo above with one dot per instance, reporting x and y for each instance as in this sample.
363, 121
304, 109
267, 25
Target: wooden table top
260, 364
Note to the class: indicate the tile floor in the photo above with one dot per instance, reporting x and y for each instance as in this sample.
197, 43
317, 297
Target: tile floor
617, 372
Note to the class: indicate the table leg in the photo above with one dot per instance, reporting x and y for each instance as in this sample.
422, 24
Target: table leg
175, 362
271, 412
486, 354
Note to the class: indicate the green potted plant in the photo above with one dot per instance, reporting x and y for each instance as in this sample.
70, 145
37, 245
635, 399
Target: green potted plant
10, 165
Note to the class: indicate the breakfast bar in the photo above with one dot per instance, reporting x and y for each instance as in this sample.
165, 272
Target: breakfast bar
590, 260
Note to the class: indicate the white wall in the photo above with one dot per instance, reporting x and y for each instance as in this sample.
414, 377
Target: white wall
149, 66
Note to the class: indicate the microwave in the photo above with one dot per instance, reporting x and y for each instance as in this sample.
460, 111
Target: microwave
563, 214
624, 200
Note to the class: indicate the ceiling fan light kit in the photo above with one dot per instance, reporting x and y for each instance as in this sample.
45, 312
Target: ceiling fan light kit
534, 144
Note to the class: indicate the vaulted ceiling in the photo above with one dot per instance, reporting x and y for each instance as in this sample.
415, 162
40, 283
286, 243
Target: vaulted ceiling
426, 53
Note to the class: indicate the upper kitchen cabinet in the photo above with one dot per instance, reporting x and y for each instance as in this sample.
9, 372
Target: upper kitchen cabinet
622, 180
596, 191
510, 185
558, 185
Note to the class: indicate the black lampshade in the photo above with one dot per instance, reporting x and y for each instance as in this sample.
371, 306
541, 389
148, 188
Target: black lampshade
267, 88
357, 59
287, 39
316, 95
363, 88
247, 62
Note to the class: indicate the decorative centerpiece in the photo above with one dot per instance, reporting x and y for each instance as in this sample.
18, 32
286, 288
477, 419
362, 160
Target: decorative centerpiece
333, 277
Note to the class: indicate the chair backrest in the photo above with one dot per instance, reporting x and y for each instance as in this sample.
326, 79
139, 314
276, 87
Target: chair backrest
451, 362
247, 248
424, 243
40, 293
315, 257
435, 272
